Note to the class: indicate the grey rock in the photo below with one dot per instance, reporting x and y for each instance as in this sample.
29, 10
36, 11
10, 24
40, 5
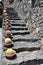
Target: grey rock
20, 32
16, 21
22, 58
19, 28
18, 24
25, 46
25, 38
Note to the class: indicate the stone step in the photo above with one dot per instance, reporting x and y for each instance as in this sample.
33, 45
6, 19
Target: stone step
25, 46
18, 24
10, 9
14, 18
27, 37
41, 1
17, 21
41, 5
18, 28
20, 32
12, 14
23, 58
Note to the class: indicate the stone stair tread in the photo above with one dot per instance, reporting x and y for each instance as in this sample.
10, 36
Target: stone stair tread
22, 58
28, 37
25, 46
17, 21
15, 18
41, 5
20, 32
19, 28
18, 24
36, 37
25, 38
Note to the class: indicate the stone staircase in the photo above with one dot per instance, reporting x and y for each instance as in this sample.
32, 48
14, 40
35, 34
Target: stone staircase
28, 48
41, 3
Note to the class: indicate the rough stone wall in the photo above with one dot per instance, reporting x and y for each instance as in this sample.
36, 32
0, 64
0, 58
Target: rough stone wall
22, 7
32, 16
